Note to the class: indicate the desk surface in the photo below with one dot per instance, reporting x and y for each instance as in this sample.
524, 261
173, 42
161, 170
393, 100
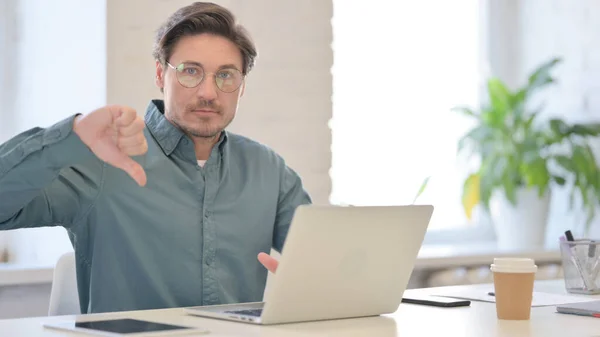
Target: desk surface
410, 320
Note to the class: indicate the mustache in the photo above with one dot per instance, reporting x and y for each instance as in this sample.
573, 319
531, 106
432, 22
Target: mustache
203, 104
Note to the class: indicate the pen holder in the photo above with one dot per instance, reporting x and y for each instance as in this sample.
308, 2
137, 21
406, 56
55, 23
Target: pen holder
581, 266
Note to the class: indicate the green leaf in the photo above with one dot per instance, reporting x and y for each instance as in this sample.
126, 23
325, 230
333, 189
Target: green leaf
529, 122
536, 173
518, 100
597, 186
583, 192
585, 130
465, 111
559, 180
541, 76
559, 127
487, 186
476, 136
590, 159
565, 162
421, 189
491, 176
582, 164
509, 189
500, 98
492, 118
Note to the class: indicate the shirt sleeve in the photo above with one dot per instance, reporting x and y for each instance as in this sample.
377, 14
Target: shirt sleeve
291, 195
48, 177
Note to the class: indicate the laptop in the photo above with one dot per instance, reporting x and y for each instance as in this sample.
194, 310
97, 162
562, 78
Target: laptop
337, 262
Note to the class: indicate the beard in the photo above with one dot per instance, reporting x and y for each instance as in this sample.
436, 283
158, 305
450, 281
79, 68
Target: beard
201, 127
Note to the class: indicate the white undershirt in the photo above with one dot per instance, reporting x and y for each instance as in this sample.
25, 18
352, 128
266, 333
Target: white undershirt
201, 163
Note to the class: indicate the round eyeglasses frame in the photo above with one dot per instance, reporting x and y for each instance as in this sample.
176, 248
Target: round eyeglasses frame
179, 73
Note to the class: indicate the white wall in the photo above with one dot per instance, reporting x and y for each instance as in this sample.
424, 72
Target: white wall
569, 29
527, 33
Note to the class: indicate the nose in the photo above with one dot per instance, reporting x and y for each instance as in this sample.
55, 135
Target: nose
207, 89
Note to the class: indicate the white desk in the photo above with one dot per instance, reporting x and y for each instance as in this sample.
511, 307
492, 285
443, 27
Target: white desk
410, 320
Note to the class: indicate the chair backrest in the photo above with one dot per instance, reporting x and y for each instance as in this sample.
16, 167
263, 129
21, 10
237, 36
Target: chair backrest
64, 299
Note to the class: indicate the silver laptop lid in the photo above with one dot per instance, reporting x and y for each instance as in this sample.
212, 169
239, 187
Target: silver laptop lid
341, 262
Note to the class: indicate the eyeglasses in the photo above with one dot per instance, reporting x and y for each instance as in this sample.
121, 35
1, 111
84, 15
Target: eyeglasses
190, 75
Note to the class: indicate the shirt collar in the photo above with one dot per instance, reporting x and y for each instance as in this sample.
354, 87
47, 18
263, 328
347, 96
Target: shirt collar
166, 134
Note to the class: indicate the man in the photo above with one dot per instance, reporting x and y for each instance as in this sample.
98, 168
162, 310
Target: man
172, 210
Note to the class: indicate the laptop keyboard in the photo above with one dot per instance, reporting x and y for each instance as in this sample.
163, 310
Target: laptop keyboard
246, 312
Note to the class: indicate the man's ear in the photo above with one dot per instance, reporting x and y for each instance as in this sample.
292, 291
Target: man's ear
243, 89
160, 78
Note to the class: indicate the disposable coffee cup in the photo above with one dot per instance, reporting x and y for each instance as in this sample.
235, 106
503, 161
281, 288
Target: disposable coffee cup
513, 287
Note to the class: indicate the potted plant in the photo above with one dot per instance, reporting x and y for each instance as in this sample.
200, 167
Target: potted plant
522, 156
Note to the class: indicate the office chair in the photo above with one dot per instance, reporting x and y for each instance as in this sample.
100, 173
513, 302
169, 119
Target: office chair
64, 299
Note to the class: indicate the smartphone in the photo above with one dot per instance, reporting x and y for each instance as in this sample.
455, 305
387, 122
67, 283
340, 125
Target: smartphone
436, 301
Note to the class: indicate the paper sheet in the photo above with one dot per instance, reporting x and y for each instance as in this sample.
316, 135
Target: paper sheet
540, 299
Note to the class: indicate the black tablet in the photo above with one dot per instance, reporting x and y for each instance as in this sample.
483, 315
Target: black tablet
124, 327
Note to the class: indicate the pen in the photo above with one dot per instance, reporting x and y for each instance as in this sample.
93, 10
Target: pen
569, 236
592, 249
594, 269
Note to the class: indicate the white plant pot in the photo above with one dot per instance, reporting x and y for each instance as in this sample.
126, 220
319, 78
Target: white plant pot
520, 227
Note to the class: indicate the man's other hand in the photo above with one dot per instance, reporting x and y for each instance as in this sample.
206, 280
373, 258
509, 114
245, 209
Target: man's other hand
268, 261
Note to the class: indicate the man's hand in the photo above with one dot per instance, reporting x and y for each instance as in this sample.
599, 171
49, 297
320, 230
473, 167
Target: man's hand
268, 261
113, 134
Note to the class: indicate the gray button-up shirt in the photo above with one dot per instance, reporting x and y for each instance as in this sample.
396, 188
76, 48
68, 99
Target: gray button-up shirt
189, 237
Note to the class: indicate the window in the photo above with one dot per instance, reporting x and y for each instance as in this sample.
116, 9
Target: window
7, 56
40, 86
399, 68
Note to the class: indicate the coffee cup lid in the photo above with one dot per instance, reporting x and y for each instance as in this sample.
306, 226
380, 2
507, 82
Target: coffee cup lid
513, 265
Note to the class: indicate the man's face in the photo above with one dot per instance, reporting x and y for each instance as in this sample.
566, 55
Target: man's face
205, 110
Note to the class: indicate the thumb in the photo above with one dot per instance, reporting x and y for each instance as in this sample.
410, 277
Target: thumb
122, 161
135, 171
